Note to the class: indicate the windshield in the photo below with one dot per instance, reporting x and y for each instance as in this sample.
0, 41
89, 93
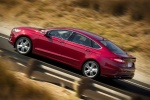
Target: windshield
112, 47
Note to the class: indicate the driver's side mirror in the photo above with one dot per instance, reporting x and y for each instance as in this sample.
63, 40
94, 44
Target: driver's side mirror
47, 34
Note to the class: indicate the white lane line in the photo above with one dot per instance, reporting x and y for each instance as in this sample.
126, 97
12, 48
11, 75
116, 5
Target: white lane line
15, 58
58, 77
59, 72
115, 98
137, 84
112, 91
1, 51
33, 77
21, 64
4, 38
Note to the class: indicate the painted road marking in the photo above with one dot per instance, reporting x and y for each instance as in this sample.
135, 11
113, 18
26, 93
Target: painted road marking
21, 64
61, 73
58, 77
137, 84
4, 38
112, 91
1, 51
16, 58
115, 98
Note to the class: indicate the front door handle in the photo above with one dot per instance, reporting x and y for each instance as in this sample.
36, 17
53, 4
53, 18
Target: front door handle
87, 50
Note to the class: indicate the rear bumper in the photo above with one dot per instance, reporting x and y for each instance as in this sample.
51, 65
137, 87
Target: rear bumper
118, 70
124, 75
121, 73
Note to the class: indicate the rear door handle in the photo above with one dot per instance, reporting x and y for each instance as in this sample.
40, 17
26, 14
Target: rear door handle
61, 41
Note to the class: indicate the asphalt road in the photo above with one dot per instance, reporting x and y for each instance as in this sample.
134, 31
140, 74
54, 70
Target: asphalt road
133, 86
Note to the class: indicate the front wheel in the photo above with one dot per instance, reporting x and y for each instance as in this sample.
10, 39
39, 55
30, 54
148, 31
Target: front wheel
23, 45
91, 69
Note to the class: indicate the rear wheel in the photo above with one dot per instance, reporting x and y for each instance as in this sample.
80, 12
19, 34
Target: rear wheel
91, 69
23, 45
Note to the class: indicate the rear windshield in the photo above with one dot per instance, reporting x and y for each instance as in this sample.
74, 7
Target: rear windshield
112, 47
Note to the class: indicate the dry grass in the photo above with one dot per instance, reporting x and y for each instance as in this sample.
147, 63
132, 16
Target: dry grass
139, 9
124, 22
16, 86
14, 89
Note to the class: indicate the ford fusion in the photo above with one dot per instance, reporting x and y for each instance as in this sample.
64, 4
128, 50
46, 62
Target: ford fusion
92, 54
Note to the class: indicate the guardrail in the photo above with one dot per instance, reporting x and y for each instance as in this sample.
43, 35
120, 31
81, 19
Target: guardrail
81, 85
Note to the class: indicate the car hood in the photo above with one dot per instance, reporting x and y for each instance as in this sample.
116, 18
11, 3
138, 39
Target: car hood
31, 29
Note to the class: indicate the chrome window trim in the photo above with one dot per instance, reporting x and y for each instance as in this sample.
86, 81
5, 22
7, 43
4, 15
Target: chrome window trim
72, 31
61, 37
88, 38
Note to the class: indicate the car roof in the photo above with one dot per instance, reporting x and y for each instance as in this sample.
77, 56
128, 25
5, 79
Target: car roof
86, 33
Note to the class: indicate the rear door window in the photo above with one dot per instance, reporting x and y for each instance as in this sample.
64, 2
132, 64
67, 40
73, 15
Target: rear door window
80, 39
95, 45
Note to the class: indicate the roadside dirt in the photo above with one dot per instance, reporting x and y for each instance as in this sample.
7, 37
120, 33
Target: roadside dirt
142, 72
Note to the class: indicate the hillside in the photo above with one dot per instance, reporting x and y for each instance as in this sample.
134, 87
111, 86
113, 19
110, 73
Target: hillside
124, 22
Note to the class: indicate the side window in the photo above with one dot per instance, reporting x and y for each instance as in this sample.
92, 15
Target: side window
51, 33
80, 39
61, 34
95, 45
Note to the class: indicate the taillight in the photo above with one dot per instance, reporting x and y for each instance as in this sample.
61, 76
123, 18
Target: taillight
118, 60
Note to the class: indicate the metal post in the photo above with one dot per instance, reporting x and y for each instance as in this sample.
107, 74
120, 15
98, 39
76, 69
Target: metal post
83, 85
31, 67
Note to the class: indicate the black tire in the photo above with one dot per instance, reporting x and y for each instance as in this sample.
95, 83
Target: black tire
23, 45
95, 67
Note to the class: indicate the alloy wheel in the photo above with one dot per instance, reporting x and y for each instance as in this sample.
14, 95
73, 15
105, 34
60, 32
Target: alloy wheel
91, 69
23, 45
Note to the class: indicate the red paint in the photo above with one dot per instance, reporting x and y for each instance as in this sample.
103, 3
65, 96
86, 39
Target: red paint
75, 54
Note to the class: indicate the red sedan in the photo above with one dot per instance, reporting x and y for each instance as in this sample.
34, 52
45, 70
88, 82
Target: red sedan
92, 54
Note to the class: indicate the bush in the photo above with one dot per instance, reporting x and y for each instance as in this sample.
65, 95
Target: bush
31, 0
9, 2
140, 9
118, 7
93, 4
